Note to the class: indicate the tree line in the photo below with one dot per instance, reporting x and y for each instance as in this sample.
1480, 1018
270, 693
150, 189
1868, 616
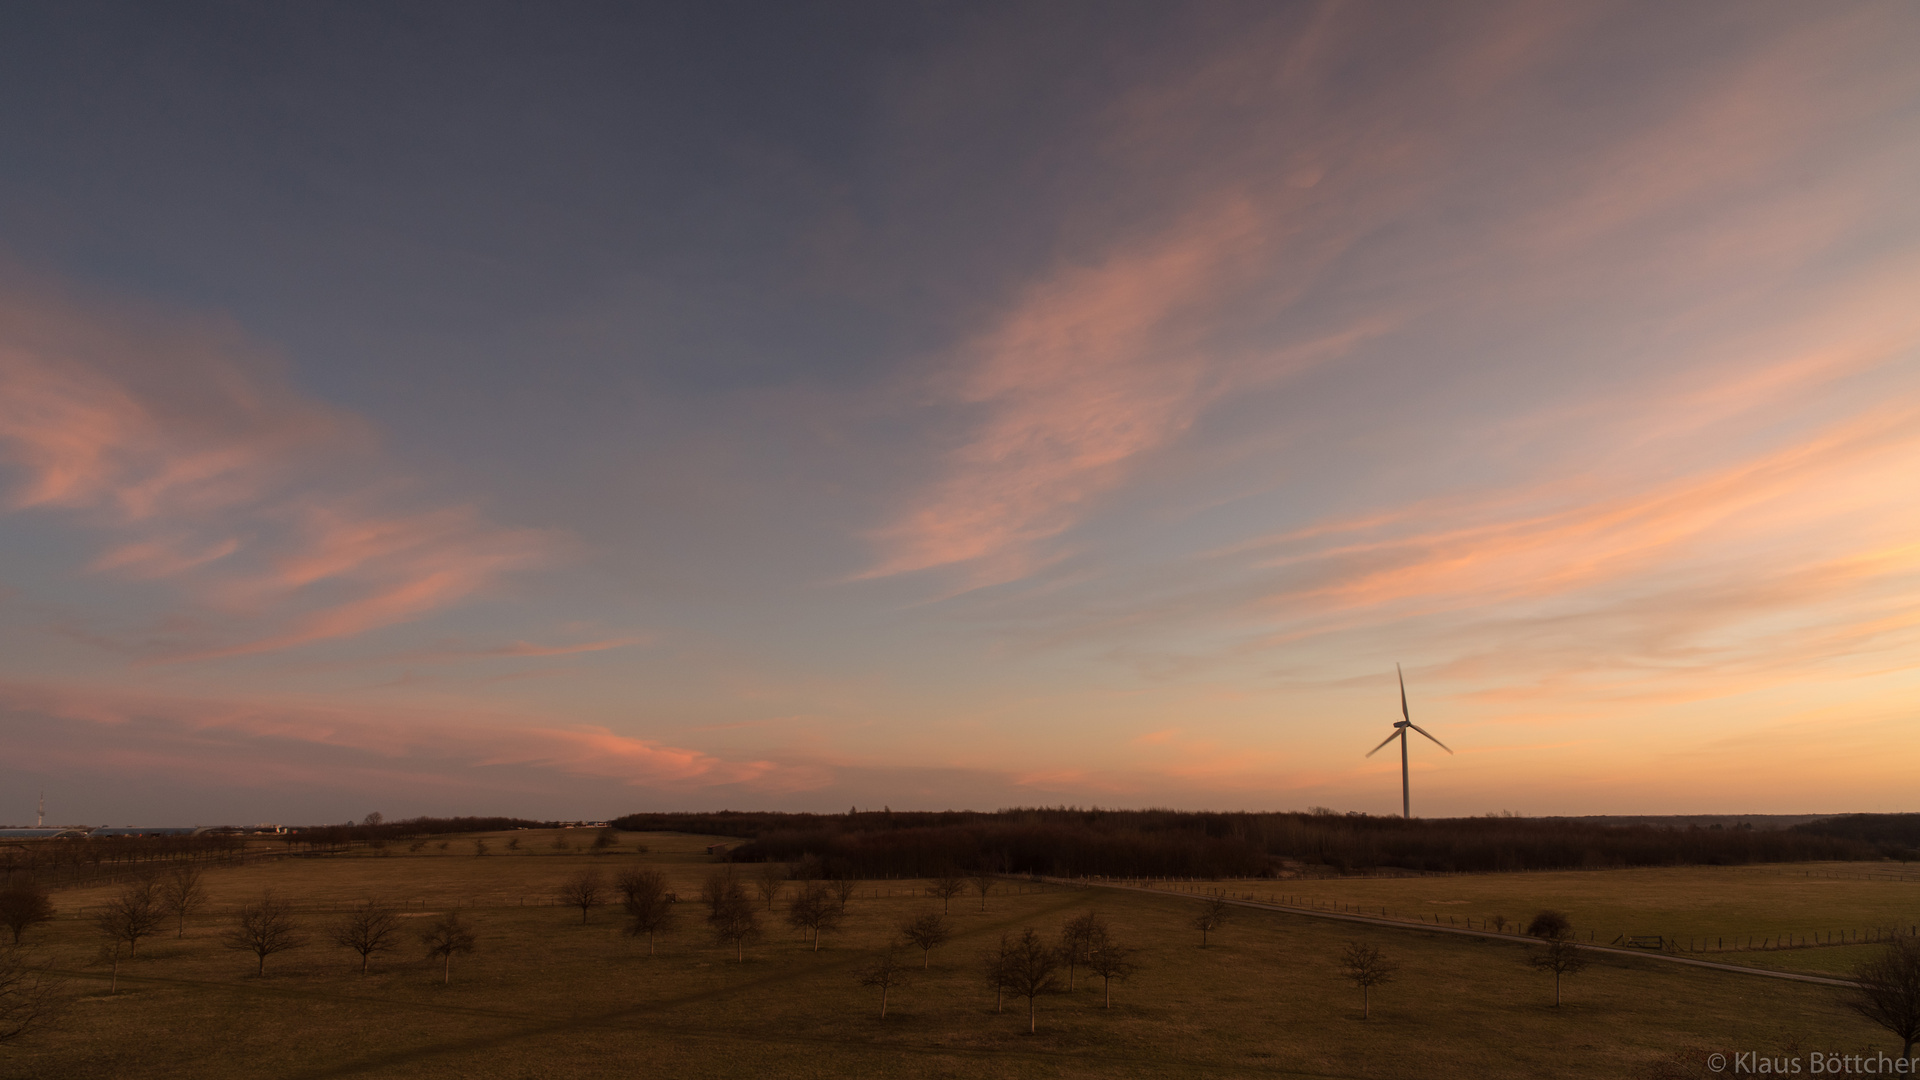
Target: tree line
376, 831
1893, 836
1166, 843
75, 861
262, 928
71, 861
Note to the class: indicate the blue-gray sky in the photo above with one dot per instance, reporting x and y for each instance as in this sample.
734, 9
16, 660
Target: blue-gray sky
569, 408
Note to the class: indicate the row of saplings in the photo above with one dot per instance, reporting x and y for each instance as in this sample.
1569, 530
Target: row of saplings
142, 909
1028, 965
1024, 965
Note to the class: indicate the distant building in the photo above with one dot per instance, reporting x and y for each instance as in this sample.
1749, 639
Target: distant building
719, 849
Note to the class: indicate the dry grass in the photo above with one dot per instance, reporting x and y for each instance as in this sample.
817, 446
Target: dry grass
546, 997
1709, 907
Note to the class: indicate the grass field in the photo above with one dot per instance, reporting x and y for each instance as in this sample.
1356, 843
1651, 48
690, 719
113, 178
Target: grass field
1716, 909
545, 996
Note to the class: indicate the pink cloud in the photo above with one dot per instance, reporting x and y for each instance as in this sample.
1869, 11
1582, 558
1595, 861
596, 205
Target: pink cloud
181, 443
597, 751
1718, 506
260, 733
139, 413
1502, 554
1114, 353
525, 649
1079, 378
1091, 370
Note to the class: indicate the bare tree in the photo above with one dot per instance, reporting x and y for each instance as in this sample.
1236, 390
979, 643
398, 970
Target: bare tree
1029, 968
24, 905
513, 843
561, 843
182, 893
995, 963
585, 890
736, 924
983, 884
885, 973
634, 880
1076, 938
843, 891
1561, 957
444, 937
769, 881
263, 928
648, 904
729, 912
479, 847
1367, 967
1550, 924
29, 995
926, 933
130, 914
604, 839
1889, 991
1211, 917
1110, 960
110, 953
719, 884
947, 884
367, 929
815, 910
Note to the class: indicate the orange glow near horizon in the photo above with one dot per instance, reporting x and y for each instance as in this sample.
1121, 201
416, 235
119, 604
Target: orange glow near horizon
1119, 466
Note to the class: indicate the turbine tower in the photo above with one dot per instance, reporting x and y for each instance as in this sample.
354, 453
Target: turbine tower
1400, 727
40, 819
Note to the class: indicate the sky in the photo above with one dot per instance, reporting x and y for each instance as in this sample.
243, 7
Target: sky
570, 409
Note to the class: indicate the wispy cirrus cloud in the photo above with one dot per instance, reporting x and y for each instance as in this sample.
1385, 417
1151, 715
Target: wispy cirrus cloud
1486, 550
367, 749
1082, 376
1115, 351
1788, 564
1090, 371
1680, 477
181, 445
449, 652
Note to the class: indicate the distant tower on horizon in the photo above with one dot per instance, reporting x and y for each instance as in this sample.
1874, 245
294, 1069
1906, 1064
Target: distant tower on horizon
40, 817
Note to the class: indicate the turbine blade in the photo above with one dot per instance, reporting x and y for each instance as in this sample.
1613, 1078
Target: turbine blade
1383, 743
1404, 715
1429, 735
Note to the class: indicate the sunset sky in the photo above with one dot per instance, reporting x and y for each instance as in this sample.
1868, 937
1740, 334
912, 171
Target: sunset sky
571, 409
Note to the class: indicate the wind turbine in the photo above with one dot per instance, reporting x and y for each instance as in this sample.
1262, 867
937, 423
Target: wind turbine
1400, 732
